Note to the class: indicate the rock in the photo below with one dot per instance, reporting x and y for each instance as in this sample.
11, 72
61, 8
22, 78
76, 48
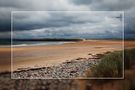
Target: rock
71, 69
90, 54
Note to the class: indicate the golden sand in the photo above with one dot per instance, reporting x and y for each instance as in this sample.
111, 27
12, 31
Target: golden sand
47, 55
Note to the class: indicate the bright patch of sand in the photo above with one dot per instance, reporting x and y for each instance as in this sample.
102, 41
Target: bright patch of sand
38, 56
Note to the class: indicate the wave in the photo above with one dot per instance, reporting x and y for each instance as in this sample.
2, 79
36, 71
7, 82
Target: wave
40, 44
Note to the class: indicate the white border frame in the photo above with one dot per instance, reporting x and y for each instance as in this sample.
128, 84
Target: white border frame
90, 78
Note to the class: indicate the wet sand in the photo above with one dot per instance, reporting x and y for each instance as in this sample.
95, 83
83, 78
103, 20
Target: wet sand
42, 56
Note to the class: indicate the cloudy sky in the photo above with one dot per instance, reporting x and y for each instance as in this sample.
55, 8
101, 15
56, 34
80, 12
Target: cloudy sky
67, 24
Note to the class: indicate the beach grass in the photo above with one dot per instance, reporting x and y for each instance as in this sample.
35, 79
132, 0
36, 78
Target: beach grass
129, 57
111, 65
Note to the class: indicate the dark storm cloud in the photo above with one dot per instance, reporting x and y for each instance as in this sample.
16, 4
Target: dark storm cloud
106, 4
26, 20
66, 24
27, 5
4, 20
130, 26
7, 6
128, 6
5, 26
22, 22
10, 3
79, 2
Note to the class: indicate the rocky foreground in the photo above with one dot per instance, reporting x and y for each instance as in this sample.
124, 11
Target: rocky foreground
6, 83
69, 69
66, 70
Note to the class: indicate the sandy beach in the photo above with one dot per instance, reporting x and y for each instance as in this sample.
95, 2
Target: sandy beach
49, 55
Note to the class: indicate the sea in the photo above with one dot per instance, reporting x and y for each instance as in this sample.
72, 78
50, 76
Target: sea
35, 43
30, 43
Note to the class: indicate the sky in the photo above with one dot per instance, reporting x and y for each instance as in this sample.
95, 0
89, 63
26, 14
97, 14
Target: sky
69, 18
67, 24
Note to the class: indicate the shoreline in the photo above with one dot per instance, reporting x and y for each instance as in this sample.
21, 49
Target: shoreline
62, 42
41, 44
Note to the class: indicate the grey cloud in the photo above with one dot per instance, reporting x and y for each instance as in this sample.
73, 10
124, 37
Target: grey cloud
26, 20
7, 6
85, 2
107, 4
128, 6
79, 24
27, 5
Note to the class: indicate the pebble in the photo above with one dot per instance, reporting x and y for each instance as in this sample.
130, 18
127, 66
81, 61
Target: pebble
67, 70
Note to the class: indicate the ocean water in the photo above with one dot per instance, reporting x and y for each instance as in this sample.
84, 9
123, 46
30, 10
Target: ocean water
7, 42
34, 43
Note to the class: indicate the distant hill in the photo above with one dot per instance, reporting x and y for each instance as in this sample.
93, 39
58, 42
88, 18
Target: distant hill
49, 39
